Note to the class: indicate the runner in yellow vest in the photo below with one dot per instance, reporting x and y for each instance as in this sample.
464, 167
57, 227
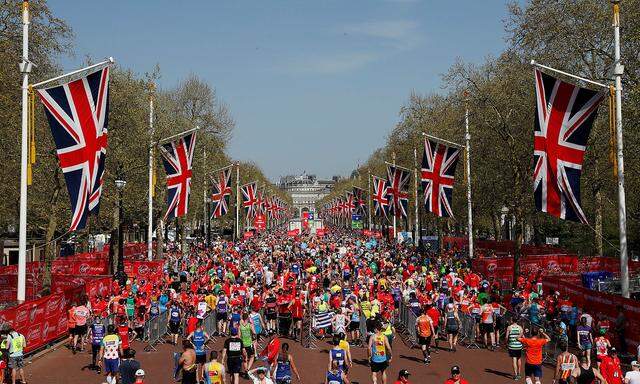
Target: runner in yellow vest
214, 370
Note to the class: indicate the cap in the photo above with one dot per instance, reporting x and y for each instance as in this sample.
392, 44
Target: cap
455, 369
261, 370
139, 372
404, 372
635, 363
613, 350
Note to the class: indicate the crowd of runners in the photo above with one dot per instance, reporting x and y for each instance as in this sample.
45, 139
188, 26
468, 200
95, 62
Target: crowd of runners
260, 292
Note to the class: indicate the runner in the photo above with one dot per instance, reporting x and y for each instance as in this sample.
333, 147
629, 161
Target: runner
174, 317
379, 352
222, 316
586, 374
514, 347
234, 355
17, 343
97, 332
81, 314
199, 339
214, 372
187, 363
452, 326
247, 332
403, 377
284, 366
565, 364
425, 331
335, 375
585, 339
533, 361
110, 352
259, 376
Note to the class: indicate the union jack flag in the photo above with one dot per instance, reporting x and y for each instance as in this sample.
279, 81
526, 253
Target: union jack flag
563, 120
78, 114
249, 198
438, 174
221, 193
177, 157
380, 200
349, 205
397, 180
358, 200
260, 203
267, 207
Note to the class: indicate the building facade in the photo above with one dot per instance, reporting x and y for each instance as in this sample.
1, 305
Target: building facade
305, 191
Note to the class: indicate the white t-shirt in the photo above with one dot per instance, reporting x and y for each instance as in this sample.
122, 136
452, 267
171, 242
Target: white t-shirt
633, 377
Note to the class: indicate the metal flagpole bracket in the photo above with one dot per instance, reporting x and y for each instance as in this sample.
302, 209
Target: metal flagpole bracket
167, 139
398, 166
102, 64
536, 64
443, 141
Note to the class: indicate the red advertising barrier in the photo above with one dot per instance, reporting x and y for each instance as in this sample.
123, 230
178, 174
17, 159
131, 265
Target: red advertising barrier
247, 235
147, 270
43, 320
320, 232
605, 303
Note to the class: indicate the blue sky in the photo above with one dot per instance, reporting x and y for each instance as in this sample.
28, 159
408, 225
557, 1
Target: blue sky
312, 85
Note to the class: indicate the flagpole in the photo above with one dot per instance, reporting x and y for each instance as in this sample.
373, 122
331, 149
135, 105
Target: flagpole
467, 139
395, 209
369, 197
622, 213
237, 201
25, 68
150, 191
415, 184
204, 198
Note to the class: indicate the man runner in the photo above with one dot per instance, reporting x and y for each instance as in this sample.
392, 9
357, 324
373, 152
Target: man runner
379, 352
199, 338
514, 347
425, 331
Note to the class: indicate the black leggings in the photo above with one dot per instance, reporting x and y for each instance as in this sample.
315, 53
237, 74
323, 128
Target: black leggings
95, 348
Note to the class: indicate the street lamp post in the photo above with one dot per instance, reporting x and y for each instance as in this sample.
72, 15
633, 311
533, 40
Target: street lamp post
120, 275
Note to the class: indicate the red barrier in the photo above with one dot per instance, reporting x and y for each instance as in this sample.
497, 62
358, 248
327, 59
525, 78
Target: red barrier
43, 320
147, 270
605, 303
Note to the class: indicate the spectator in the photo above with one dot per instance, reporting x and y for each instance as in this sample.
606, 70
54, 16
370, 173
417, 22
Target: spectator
139, 377
403, 377
633, 376
456, 377
610, 367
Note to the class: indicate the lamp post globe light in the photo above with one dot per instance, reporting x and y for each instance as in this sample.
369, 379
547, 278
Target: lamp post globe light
120, 275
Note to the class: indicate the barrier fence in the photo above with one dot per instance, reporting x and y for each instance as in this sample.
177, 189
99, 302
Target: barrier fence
469, 335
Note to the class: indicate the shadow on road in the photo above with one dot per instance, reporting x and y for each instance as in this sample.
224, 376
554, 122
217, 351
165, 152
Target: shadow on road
498, 373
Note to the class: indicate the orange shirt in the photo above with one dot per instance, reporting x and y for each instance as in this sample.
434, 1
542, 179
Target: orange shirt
71, 317
533, 350
424, 325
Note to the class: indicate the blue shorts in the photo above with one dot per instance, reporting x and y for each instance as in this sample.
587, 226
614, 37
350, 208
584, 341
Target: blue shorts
534, 370
111, 365
586, 346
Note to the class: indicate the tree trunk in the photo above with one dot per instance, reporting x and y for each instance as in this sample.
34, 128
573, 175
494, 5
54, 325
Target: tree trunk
114, 241
50, 245
497, 230
519, 224
159, 240
598, 223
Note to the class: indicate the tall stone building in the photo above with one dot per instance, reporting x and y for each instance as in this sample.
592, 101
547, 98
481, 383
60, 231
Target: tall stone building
305, 190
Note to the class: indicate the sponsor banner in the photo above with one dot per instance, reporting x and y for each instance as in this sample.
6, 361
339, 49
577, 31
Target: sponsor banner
144, 270
260, 222
320, 232
247, 235
42, 320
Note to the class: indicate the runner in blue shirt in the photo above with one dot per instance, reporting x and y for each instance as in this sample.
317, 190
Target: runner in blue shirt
199, 339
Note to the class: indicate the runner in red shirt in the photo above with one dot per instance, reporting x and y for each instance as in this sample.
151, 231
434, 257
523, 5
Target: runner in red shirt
456, 377
297, 312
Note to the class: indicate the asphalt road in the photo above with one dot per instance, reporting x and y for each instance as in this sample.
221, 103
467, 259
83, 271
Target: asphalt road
477, 365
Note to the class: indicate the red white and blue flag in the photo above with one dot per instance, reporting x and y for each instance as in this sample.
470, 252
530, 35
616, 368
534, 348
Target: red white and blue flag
78, 114
563, 121
249, 198
438, 175
177, 157
358, 200
221, 193
379, 197
397, 194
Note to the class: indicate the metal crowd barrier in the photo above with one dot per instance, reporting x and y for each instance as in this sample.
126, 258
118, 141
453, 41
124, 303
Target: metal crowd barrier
364, 338
155, 330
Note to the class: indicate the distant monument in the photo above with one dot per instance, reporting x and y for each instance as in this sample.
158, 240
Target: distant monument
305, 190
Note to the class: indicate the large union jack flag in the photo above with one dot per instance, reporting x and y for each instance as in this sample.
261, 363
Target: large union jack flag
249, 198
358, 200
380, 200
563, 120
177, 157
437, 175
397, 180
78, 113
221, 193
